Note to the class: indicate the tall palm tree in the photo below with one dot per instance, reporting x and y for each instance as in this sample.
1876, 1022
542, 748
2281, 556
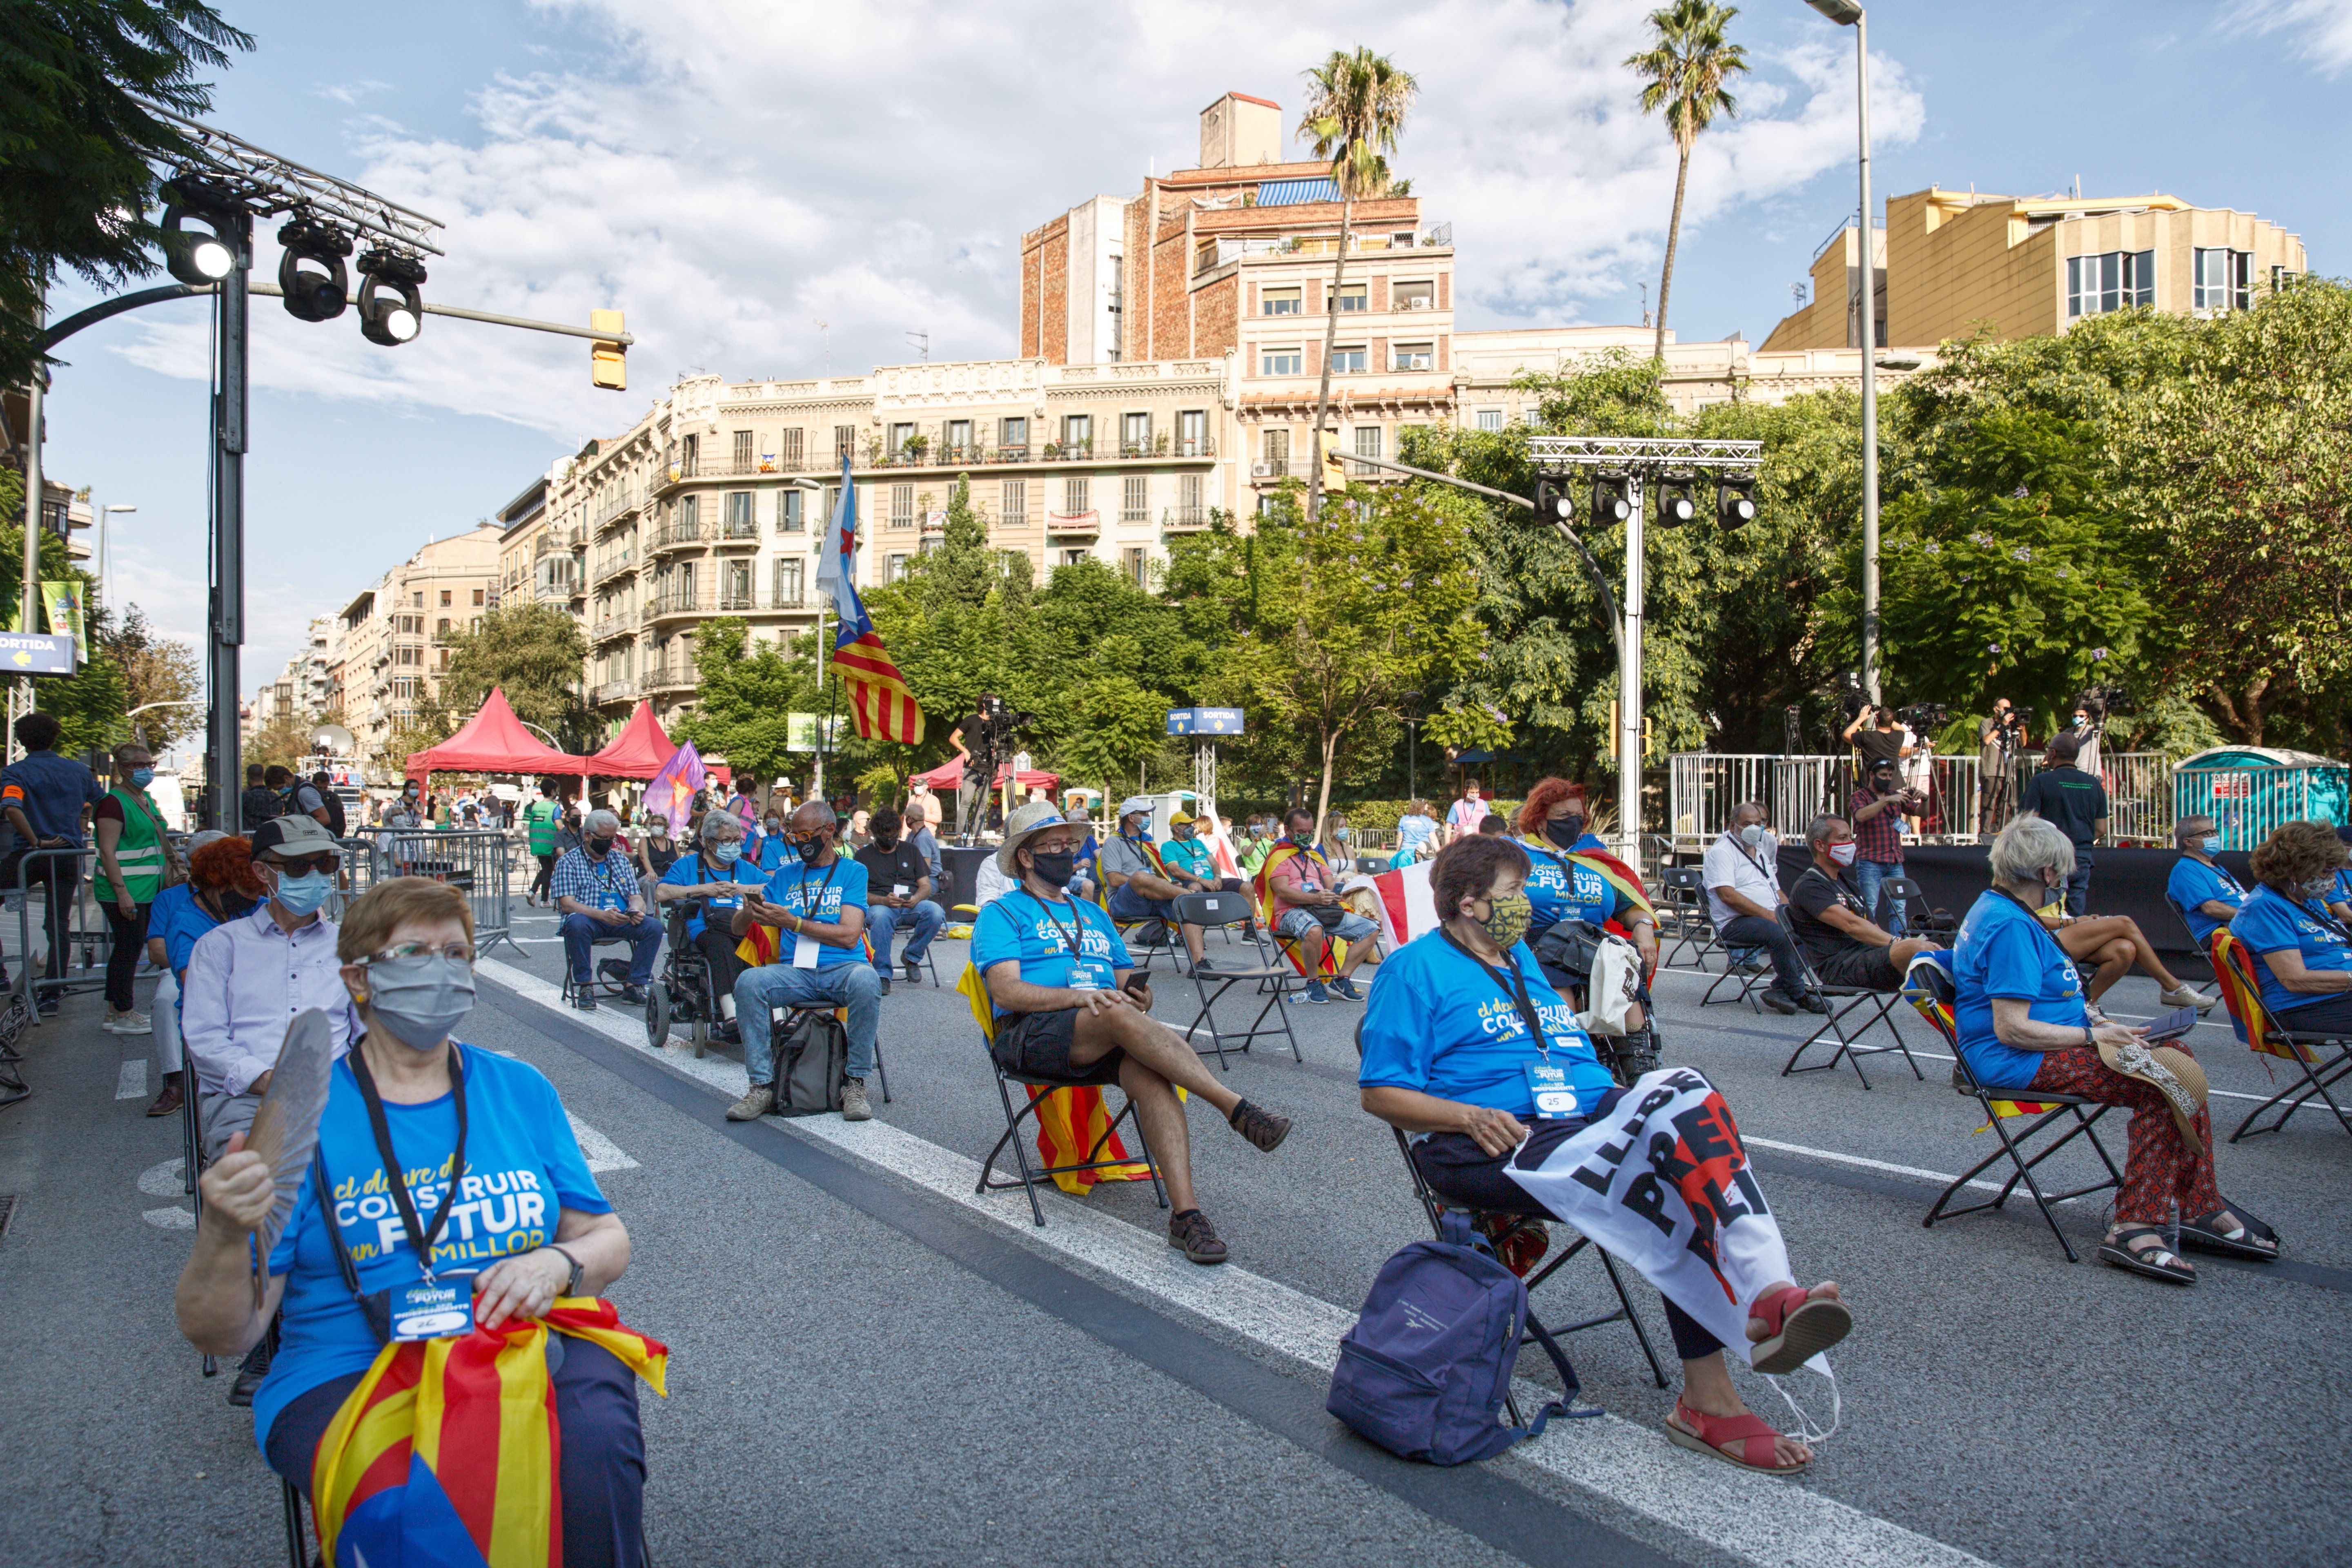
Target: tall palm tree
1355, 109
1686, 66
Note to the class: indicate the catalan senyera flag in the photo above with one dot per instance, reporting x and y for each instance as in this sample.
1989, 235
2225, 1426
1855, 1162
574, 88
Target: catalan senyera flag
1928, 1001
447, 1453
880, 704
1335, 951
1071, 1124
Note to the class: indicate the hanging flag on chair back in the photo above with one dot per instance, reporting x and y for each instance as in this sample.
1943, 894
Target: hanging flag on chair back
880, 704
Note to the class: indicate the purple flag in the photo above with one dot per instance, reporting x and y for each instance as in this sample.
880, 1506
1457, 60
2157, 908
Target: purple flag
671, 793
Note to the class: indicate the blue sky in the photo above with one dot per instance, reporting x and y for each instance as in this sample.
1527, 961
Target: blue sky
732, 173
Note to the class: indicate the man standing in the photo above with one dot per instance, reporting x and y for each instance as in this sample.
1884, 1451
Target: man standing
538, 823
1876, 813
971, 789
597, 894
922, 807
1876, 736
899, 887
2088, 725
43, 795
259, 803
2204, 892
1744, 899
1468, 815
2073, 802
1142, 885
1997, 738
817, 904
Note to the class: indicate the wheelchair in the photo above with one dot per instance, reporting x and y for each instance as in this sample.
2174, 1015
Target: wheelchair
683, 990
1627, 1056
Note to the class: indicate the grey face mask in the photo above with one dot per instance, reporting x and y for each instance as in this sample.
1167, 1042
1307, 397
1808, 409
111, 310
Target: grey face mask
419, 1000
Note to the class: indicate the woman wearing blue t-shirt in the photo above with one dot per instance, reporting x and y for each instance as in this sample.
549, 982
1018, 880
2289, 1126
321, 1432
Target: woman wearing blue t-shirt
1448, 1053
514, 1208
2023, 1022
2303, 951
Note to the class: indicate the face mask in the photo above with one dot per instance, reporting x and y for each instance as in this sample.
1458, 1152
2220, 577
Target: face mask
419, 1000
1054, 867
1882, 786
810, 850
234, 904
886, 845
1340, 834
302, 894
726, 853
2211, 844
599, 847
2081, 721
2316, 892
1507, 918
1564, 831
1752, 836
774, 825
142, 777
1843, 854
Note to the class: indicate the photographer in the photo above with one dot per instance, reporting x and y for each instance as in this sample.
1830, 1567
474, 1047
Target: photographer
1875, 734
2090, 724
983, 739
2075, 803
1875, 811
1998, 739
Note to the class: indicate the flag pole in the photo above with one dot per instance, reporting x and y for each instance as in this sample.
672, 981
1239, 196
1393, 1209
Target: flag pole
817, 791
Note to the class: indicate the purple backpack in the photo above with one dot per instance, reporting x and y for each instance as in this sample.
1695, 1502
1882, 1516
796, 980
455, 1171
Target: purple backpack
1426, 1368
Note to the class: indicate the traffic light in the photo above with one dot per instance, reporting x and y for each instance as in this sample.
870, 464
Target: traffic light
1335, 476
1553, 504
1735, 501
1677, 505
608, 358
1612, 499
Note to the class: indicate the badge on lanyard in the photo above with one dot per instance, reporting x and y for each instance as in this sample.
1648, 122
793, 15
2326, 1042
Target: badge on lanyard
1549, 1089
434, 1309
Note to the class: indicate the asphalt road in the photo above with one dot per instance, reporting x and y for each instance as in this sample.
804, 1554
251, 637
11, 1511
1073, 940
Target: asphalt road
868, 1364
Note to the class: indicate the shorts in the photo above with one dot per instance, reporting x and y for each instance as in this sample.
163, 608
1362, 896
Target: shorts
1131, 906
1295, 922
1859, 968
1038, 1045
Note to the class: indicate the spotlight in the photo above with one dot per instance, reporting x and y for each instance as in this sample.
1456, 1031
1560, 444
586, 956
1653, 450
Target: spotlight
319, 292
1676, 504
1735, 501
209, 253
1553, 503
383, 318
1612, 499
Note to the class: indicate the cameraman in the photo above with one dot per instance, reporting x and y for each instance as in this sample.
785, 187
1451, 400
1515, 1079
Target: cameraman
1998, 739
970, 734
1875, 734
1875, 812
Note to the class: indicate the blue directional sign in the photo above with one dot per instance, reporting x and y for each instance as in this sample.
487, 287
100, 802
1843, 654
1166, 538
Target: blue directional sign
37, 653
1204, 721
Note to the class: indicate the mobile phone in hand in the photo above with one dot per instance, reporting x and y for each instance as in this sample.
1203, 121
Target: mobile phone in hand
2172, 1026
1135, 986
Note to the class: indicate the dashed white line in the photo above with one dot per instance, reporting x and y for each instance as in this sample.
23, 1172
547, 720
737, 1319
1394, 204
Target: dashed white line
131, 1083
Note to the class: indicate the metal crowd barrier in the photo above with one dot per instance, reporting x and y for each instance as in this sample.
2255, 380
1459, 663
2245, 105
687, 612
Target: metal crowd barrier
82, 929
478, 860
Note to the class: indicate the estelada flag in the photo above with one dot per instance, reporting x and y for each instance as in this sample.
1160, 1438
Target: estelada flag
1335, 951
880, 704
1072, 1122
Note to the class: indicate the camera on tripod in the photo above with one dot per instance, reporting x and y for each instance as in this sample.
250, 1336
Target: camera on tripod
999, 724
1923, 717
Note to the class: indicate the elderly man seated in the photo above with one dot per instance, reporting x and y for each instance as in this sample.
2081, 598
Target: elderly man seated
597, 893
1833, 917
817, 906
1743, 895
1142, 885
1070, 1009
2204, 892
1303, 903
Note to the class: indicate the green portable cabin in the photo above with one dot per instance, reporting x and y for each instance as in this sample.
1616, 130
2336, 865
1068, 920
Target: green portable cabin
2249, 790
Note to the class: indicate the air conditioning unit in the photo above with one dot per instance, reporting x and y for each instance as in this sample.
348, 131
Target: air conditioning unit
1261, 470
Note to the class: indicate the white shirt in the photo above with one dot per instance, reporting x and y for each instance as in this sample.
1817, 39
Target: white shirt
992, 884
1754, 876
246, 981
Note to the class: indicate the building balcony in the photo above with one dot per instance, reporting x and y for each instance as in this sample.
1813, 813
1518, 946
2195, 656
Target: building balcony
618, 508
680, 602
613, 627
1273, 468
737, 531
1085, 525
1184, 519
790, 601
1159, 449
675, 535
611, 566
764, 464
735, 601
674, 676
614, 692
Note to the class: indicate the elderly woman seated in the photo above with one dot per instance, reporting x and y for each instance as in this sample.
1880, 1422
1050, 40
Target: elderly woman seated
510, 1209
2303, 952
710, 881
2024, 1023
1449, 1057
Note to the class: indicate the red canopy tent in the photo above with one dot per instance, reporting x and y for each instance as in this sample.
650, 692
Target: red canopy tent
950, 776
494, 742
638, 751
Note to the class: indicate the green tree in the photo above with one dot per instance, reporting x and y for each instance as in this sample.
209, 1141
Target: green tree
532, 652
76, 148
1686, 65
1117, 726
1356, 105
155, 669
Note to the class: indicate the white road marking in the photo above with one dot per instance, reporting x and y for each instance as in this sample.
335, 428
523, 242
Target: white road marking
131, 1083
170, 1219
161, 1181
602, 1153
1755, 1518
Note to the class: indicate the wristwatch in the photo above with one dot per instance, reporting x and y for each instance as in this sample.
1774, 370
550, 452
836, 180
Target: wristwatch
2090, 1036
571, 1285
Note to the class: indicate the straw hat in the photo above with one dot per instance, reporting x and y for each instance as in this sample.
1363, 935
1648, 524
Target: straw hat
1027, 823
2171, 1073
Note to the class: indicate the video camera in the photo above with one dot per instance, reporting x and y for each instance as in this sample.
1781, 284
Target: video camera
999, 724
1923, 717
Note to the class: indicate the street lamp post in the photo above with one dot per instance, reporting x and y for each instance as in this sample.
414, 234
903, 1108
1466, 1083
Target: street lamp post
102, 514
1847, 14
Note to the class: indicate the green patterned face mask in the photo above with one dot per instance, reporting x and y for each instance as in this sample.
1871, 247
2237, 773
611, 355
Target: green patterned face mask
1507, 918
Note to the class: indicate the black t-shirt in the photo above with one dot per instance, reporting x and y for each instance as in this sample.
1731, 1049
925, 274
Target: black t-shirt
1812, 893
1878, 745
2070, 800
887, 868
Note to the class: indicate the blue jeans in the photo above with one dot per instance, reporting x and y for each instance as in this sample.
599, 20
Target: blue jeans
1868, 874
758, 991
1129, 905
882, 923
2078, 885
580, 934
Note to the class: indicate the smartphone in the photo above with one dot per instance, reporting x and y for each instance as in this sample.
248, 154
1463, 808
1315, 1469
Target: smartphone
1136, 985
2172, 1026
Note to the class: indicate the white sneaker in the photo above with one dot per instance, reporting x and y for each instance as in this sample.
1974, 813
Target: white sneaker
2187, 997
128, 1024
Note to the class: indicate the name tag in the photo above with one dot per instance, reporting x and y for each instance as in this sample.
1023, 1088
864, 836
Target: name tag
1547, 1087
805, 951
899, 889
435, 1311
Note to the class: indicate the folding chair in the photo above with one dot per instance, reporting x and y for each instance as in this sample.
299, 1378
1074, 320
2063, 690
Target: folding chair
1928, 988
601, 979
1031, 1176
1901, 890
1843, 1002
2320, 1060
1682, 897
1224, 911
1435, 1207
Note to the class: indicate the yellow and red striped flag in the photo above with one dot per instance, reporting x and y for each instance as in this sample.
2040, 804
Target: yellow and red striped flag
879, 702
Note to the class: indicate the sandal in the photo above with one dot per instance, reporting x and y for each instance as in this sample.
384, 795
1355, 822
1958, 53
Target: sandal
1801, 1327
2157, 1262
1747, 1431
2251, 1238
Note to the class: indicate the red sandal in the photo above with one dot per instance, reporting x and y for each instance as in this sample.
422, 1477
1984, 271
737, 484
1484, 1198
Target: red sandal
1801, 1327
1748, 1430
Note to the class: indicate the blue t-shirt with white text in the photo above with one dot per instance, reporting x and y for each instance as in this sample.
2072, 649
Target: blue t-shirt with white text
2004, 952
2192, 883
2271, 923
1564, 890
1021, 927
693, 870
1438, 1021
819, 894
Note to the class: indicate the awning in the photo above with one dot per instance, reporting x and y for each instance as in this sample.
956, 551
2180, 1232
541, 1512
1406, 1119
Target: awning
638, 751
950, 776
494, 742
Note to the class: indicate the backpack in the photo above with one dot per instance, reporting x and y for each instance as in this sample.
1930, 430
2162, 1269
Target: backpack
811, 1063
1425, 1372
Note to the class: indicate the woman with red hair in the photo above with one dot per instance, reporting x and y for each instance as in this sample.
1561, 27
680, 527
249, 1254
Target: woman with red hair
1573, 877
220, 887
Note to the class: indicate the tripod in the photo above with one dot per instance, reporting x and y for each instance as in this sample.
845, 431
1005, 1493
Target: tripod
1993, 793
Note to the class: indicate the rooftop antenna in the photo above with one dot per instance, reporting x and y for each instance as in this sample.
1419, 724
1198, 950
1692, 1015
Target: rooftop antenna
921, 341
1645, 304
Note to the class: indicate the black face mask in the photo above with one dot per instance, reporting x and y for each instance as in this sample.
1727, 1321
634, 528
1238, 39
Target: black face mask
1882, 786
886, 845
599, 847
1564, 831
1054, 867
235, 904
808, 849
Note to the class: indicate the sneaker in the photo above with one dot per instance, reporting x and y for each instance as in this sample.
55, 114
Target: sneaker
758, 1102
1748, 966
1345, 989
1314, 995
882, 980
1201, 965
1813, 1002
914, 970
1190, 1233
48, 1006
854, 1106
128, 1024
584, 999
1261, 1127
1778, 1000
2187, 997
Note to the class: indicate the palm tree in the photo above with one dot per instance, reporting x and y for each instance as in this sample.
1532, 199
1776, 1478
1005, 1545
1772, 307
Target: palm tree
1356, 107
1686, 65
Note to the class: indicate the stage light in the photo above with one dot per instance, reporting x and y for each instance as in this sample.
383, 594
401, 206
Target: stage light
391, 311
1735, 501
1677, 505
207, 254
1553, 504
1612, 499
320, 290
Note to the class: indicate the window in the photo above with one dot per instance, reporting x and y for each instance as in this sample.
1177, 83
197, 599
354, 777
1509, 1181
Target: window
420, 602
1135, 499
1279, 302
735, 588
1278, 453
1414, 357
1347, 359
691, 455
478, 595
897, 569
1012, 435
1077, 432
1190, 427
739, 515
475, 626
1074, 497
1354, 297
442, 630
788, 583
1013, 507
902, 506
1134, 565
742, 451
1187, 500
1281, 362
1367, 445
789, 446
2223, 280
1072, 557
408, 656
788, 510
959, 435
2112, 281
689, 517
844, 441
1421, 294
1135, 435
1490, 419
900, 435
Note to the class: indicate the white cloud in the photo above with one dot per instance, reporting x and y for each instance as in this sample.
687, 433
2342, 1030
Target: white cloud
2323, 28
745, 170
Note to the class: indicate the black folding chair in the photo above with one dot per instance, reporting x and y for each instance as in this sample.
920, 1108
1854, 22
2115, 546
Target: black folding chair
1224, 911
2321, 1058
1509, 1225
1031, 1175
1899, 891
1929, 989
1682, 899
1844, 1001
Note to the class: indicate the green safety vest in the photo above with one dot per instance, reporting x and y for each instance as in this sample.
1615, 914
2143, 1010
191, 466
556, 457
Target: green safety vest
539, 818
139, 850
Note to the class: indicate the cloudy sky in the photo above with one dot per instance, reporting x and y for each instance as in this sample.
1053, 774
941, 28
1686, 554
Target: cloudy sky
732, 174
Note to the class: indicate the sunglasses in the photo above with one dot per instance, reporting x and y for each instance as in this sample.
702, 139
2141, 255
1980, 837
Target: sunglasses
322, 863
454, 952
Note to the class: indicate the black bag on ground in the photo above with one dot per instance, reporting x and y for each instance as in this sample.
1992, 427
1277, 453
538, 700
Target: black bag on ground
811, 1061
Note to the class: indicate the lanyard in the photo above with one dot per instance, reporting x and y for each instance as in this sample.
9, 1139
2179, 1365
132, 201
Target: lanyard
1515, 987
419, 1238
801, 887
1072, 936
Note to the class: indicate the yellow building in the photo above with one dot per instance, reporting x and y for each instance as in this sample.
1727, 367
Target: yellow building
1952, 263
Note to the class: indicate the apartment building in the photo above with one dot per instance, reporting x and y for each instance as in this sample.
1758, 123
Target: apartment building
1947, 264
396, 635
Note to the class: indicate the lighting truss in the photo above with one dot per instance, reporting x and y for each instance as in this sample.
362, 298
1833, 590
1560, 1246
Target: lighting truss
264, 184
1558, 454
